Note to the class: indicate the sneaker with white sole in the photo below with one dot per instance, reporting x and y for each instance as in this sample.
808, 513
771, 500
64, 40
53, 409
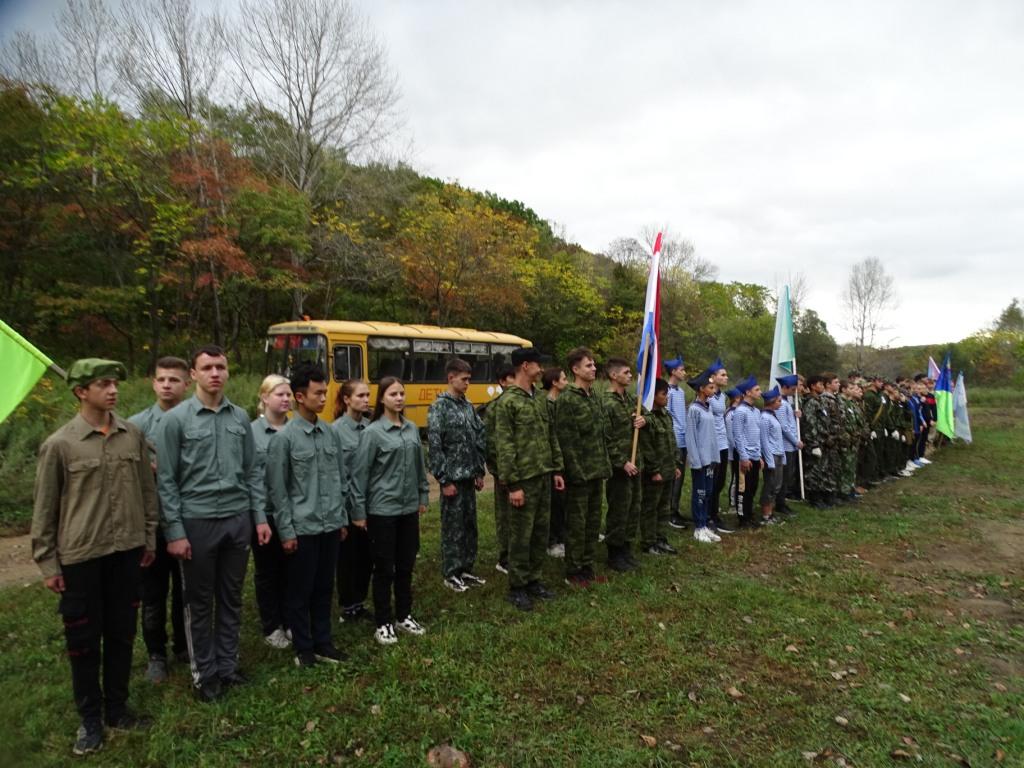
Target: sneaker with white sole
277, 639
410, 625
910, 466
455, 584
385, 634
923, 460
702, 535
501, 567
905, 473
714, 537
472, 580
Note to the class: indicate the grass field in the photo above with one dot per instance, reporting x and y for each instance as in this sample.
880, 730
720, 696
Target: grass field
888, 633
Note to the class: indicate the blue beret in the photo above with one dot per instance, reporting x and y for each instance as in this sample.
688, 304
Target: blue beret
730, 393
671, 365
788, 381
716, 366
747, 384
771, 394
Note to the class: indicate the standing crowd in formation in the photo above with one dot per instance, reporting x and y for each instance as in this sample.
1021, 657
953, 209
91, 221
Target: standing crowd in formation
171, 501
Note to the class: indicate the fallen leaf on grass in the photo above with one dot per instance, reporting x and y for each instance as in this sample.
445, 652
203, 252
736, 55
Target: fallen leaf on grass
840, 720
1000, 755
792, 649
810, 757
901, 754
735, 692
909, 741
708, 729
999, 687
904, 698
375, 709
959, 651
580, 700
650, 741
446, 756
661, 625
747, 620
692, 696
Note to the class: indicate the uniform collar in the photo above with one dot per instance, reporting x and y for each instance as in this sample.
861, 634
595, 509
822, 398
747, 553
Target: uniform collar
306, 426
197, 405
81, 429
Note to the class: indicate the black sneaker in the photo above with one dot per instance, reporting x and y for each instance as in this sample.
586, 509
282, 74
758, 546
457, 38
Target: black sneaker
231, 679
89, 738
128, 721
666, 548
654, 549
520, 599
719, 528
678, 523
210, 690
358, 613
538, 590
329, 653
305, 659
618, 564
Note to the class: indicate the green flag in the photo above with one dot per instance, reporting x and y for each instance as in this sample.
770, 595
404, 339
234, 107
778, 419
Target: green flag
23, 364
944, 400
783, 349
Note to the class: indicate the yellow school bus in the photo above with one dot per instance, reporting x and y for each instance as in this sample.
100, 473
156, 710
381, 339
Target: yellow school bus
372, 350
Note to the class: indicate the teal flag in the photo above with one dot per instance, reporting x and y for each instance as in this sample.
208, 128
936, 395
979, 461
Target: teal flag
22, 363
783, 349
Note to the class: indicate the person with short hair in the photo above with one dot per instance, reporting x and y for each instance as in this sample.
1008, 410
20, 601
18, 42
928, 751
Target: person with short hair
702, 455
554, 382
528, 458
211, 495
815, 429
269, 562
719, 404
307, 478
773, 453
792, 444
504, 375
390, 491
661, 452
94, 520
170, 382
581, 439
355, 561
746, 428
624, 489
734, 398
675, 370
457, 450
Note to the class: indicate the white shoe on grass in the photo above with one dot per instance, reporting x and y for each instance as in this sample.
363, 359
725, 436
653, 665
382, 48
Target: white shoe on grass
410, 625
277, 639
385, 634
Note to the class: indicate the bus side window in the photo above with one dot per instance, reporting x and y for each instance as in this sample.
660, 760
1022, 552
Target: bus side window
348, 362
388, 357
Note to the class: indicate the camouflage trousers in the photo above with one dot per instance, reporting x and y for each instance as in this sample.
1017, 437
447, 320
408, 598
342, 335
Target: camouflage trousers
867, 462
847, 469
528, 532
820, 473
582, 524
458, 530
501, 507
655, 511
625, 495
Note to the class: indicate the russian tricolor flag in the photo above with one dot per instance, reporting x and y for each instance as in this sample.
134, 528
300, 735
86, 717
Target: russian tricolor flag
648, 361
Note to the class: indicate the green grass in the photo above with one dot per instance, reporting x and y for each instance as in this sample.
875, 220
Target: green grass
581, 681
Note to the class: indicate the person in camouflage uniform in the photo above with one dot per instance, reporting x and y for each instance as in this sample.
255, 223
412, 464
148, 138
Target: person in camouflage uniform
850, 440
580, 429
815, 428
528, 455
457, 450
659, 449
487, 412
624, 488
834, 445
874, 409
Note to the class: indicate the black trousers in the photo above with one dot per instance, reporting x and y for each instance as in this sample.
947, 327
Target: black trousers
734, 483
155, 580
677, 484
789, 475
269, 578
394, 544
716, 492
355, 566
100, 606
556, 524
310, 587
752, 476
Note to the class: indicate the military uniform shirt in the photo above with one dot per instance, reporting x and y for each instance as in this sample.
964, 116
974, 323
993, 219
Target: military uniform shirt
580, 429
389, 476
456, 438
527, 446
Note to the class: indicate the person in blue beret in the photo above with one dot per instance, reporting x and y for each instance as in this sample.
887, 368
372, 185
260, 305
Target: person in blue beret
702, 455
720, 376
675, 373
789, 418
746, 427
773, 454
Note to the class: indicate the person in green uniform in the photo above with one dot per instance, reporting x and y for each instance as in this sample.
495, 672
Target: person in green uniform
833, 445
94, 522
581, 438
624, 488
457, 446
814, 429
487, 412
528, 457
661, 471
170, 382
853, 426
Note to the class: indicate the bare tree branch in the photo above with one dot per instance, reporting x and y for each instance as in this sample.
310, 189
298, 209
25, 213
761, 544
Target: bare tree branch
868, 295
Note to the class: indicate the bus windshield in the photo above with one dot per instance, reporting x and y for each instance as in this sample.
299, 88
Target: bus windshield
286, 350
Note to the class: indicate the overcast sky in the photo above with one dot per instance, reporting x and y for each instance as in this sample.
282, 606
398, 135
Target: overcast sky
776, 136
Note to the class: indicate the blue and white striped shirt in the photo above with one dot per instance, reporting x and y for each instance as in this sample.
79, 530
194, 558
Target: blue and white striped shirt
677, 407
787, 418
718, 405
746, 430
771, 439
701, 436
728, 433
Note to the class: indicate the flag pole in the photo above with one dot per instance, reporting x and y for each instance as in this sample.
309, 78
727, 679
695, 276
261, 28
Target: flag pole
799, 451
639, 400
53, 367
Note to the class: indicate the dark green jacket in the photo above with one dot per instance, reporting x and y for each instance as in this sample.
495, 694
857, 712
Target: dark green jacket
456, 438
525, 438
658, 445
619, 411
488, 412
815, 423
580, 428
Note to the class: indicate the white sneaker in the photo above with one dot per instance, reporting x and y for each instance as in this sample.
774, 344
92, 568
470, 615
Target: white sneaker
600, 537
385, 635
472, 580
556, 550
277, 639
703, 535
501, 568
905, 473
713, 536
923, 460
910, 466
410, 625
455, 584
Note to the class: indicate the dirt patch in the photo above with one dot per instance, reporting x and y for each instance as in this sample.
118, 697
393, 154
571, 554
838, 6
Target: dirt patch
16, 565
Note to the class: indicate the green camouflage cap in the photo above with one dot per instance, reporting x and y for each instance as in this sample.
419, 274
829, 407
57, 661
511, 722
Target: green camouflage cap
85, 371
